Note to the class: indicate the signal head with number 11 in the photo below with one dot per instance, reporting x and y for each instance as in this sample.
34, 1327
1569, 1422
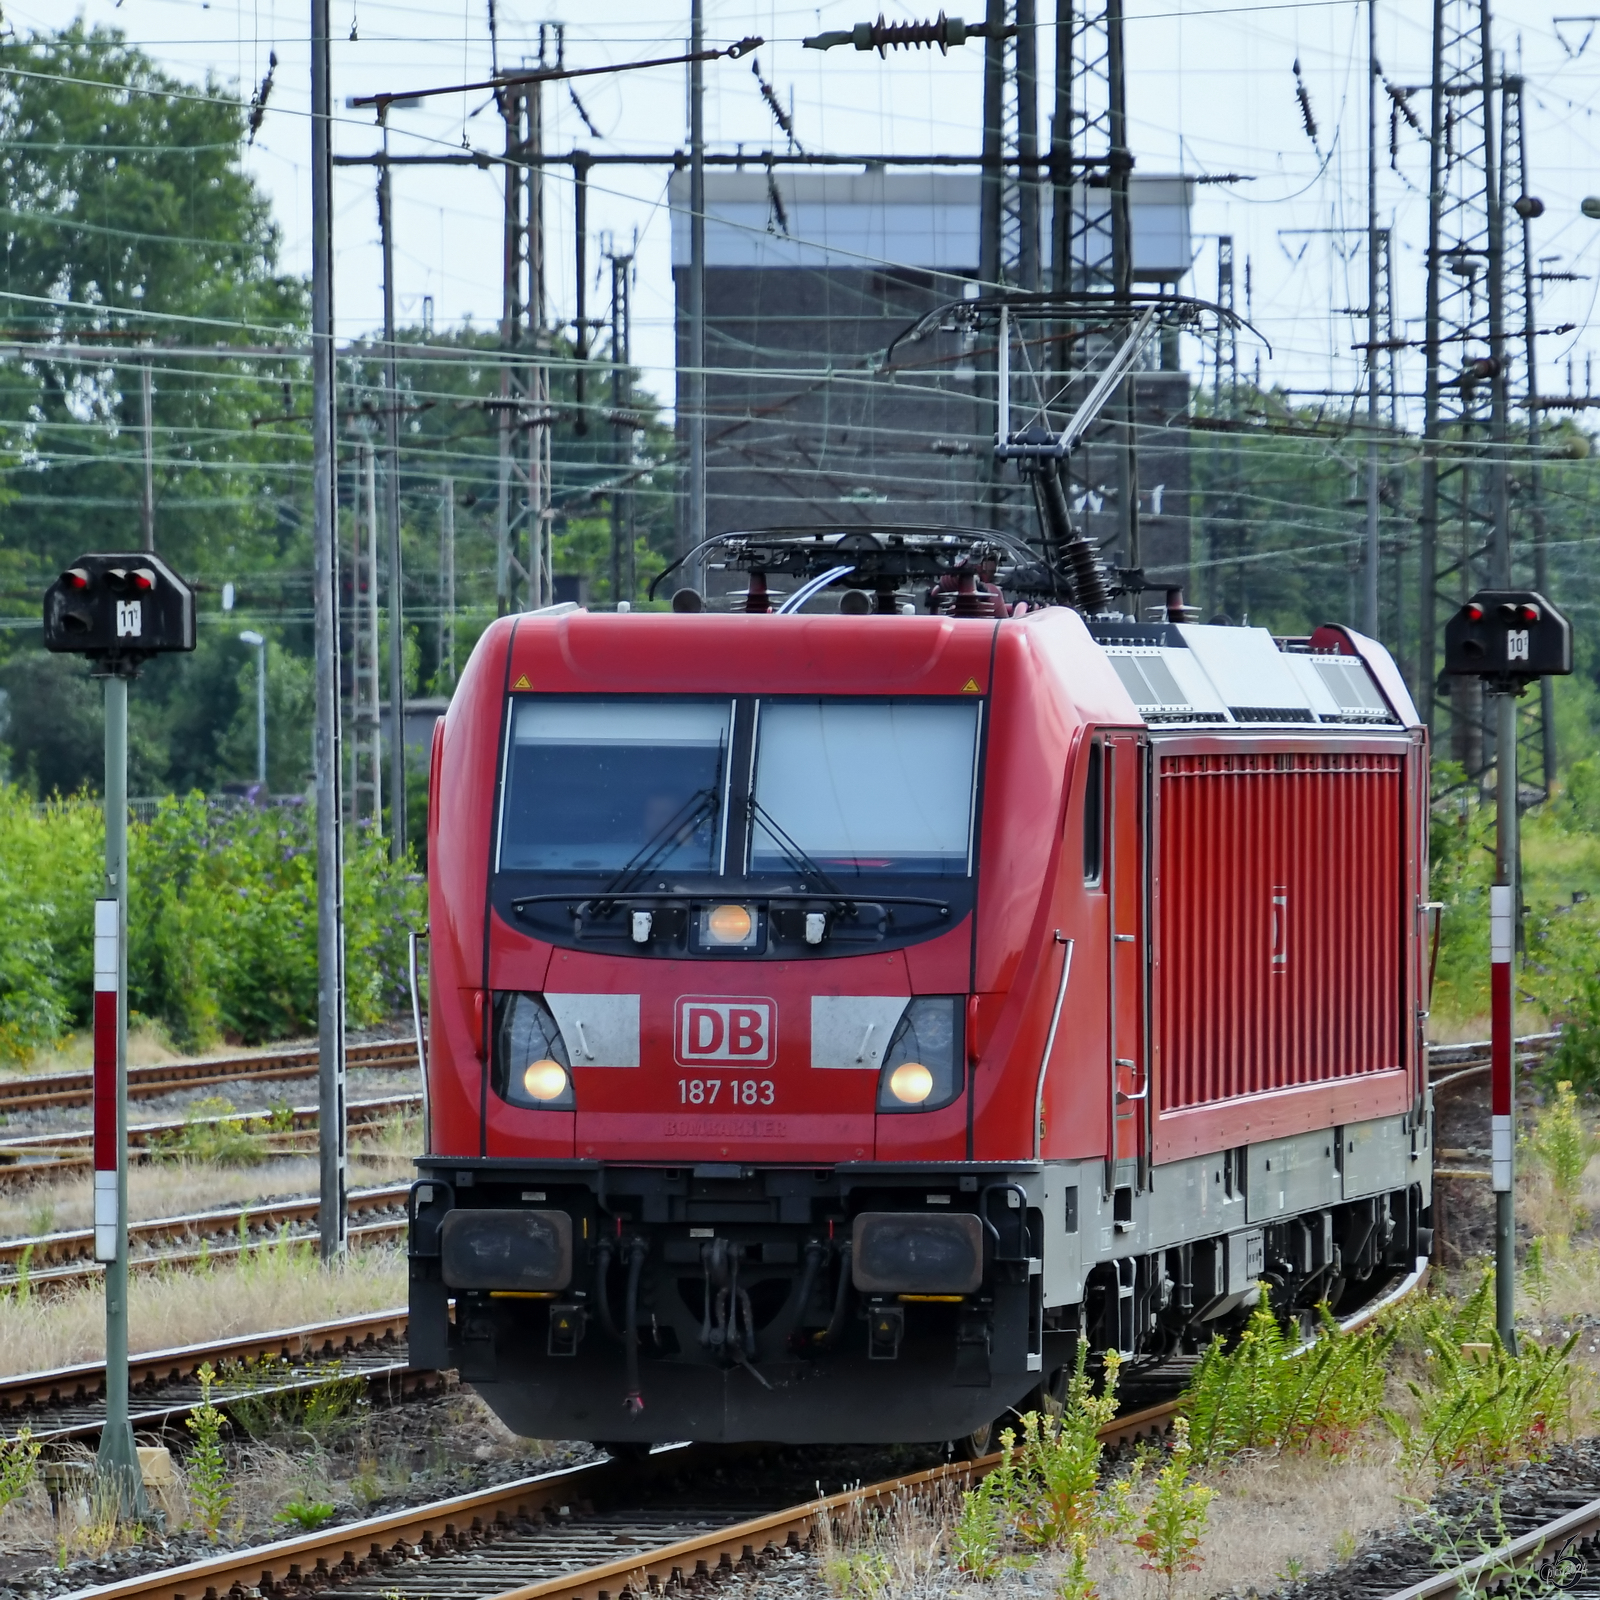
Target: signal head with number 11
119, 609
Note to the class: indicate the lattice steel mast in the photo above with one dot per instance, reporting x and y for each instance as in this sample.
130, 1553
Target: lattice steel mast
1537, 724
1091, 241
1465, 532
522, 527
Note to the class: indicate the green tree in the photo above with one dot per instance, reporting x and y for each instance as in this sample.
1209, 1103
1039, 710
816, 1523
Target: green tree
127, 221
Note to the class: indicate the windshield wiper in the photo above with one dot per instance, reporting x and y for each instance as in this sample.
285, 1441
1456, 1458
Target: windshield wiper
699, 807
796, 857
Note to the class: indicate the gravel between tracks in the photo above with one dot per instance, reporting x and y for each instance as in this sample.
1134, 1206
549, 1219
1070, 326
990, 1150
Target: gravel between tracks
1527, 1495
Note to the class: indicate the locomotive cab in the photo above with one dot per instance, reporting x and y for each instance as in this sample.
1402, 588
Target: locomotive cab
838, 1017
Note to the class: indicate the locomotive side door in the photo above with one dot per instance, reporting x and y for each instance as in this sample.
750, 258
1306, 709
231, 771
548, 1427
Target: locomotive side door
1126, 792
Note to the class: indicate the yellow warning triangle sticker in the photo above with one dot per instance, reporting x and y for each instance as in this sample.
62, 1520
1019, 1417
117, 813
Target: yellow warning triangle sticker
522, 682
971, 687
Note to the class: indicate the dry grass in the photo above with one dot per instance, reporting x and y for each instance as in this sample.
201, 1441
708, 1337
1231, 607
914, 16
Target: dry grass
274, 1288
898, 1553
1567, 1284
1458, 1030
1274, 1519
148, 1046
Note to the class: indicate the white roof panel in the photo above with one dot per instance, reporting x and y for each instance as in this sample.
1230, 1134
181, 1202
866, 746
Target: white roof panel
1250, 674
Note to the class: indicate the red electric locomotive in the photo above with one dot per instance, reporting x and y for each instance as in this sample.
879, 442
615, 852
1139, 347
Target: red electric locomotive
837, 1014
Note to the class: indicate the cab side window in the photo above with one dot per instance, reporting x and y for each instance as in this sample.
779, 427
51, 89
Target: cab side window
1094, 814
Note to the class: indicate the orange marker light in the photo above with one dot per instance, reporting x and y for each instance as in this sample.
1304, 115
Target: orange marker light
730, 924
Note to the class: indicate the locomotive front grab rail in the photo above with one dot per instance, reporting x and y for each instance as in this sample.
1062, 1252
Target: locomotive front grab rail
1050, 1043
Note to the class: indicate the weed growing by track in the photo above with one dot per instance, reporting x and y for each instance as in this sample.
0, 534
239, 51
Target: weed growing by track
20, 1289
1174, 1522
19, 1466
324, 1406
1348, 1425
1046, 1492
306, 1515
1049, 1498
213, 1132
210, 1490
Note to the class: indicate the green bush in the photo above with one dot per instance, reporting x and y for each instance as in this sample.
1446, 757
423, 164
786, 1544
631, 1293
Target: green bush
50, 872
1481, 1407
307, 1515
1045, 1493
1576, 1059
1562, 1146
19, 1460
1263, 1394
213, 1131
222, 921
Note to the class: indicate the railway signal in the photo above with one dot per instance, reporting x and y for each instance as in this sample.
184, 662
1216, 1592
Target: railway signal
1509, 638
118, 610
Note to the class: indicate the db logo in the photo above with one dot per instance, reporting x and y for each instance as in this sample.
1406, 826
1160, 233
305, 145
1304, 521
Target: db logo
713, 1030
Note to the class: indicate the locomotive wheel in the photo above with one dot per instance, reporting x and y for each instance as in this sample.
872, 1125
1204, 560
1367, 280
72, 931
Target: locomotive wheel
979, 1442
622, 1450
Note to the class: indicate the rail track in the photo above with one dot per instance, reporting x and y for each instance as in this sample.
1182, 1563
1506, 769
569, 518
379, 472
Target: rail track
289, 1131
63, 1090
69, 1402
579, 1532
1554, 1551
1448, 1062
66, 1259
602, 1531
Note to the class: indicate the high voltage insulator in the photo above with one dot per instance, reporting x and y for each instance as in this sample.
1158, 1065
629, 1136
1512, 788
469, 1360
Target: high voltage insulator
885, 36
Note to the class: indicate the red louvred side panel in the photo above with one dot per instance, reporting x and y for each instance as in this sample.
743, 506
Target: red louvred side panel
1281, 922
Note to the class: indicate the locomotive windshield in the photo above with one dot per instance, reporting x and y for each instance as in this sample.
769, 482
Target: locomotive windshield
627, 788
864, 786
598, 785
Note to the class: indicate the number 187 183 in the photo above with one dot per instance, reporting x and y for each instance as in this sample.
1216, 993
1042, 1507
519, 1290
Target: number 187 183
740, 1091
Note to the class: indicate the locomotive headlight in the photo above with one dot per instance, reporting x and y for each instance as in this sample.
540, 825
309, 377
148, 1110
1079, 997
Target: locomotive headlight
923, 1063
545, 1080
911, 1083
531, 1066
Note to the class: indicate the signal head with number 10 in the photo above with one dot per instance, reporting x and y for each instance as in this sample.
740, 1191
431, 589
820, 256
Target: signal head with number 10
1508, 636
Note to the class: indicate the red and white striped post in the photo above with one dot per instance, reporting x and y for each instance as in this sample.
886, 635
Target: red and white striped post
1502, 1029
107, 1143
118, 1461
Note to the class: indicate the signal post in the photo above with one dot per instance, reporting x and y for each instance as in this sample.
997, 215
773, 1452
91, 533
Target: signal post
1509, 638
118, 610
